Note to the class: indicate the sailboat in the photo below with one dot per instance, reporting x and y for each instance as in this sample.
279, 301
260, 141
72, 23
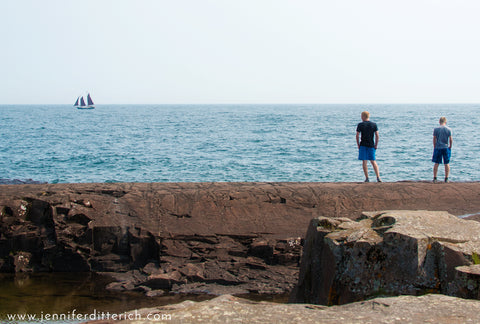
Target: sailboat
80, 103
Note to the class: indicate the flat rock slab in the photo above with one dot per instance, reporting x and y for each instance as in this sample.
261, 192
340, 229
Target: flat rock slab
239, 208
228, 309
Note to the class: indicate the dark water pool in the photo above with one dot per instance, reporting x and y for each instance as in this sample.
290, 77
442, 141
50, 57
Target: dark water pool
71, 293
67, 294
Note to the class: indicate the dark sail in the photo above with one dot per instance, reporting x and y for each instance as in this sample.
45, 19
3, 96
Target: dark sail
89, 100
82, 102
76, 102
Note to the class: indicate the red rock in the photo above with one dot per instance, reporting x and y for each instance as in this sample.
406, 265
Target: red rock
194, 272
125, 226
163, 280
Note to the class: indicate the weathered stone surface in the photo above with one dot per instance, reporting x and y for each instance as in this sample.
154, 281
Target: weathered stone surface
244, 234
228, 309
469, 281
388, 253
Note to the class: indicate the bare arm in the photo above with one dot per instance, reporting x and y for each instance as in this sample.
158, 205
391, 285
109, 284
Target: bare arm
358, 139
451, 142
376, 139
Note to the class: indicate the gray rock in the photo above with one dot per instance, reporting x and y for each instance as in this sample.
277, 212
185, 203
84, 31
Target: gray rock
388, 253
229, 309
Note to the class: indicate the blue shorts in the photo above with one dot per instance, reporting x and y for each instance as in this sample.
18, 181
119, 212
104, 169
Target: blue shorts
441, 154
366, 153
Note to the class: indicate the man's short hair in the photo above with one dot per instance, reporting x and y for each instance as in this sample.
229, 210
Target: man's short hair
365, 115
443, 120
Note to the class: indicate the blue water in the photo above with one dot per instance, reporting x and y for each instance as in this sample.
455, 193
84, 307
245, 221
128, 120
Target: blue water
203, 143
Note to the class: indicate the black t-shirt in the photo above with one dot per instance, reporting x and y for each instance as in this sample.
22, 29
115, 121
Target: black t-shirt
367, 129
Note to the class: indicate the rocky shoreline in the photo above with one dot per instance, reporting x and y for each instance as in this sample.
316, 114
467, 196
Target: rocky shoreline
193, 237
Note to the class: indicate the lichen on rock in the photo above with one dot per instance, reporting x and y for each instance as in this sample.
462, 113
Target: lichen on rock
388, 253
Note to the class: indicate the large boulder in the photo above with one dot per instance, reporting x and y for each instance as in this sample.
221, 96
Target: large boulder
389, 253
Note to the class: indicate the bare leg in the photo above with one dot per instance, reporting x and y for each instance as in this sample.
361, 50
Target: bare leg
447, 170
435, 170
375, 168
365, 168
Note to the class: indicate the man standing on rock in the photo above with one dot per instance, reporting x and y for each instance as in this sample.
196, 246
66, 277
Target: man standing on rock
366, 145
442, 146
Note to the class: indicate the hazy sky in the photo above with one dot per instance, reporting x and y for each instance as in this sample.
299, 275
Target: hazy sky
242, 51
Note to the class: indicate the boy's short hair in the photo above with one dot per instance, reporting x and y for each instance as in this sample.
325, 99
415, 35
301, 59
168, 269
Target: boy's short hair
365, 115
443, 120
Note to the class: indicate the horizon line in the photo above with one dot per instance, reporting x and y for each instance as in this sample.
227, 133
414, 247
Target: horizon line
258, 103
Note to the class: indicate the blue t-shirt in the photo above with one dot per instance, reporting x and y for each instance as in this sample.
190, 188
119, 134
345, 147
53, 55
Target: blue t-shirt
442, 133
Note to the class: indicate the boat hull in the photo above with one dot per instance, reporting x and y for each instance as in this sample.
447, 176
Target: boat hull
86, 107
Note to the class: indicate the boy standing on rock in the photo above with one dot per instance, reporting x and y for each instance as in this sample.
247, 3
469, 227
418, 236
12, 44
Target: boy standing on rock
366, 145
442, 146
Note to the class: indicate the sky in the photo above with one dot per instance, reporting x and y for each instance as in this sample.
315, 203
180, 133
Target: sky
239, 51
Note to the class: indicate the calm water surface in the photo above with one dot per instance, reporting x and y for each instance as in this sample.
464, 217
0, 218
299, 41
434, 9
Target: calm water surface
39, 294
66, 293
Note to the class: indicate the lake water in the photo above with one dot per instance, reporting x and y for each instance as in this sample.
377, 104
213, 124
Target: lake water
204, 143
70, 295
73, 296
